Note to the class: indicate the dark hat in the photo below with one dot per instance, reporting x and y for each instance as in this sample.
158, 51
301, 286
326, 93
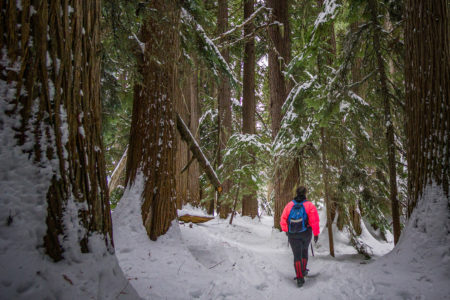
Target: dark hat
301, 191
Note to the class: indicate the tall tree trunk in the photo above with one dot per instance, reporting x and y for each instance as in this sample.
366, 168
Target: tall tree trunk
356, 70
194, 169
388, 120
249, 201
355, 213
51, 61
152, 137
211, 203
182, 103
427, 76
279, 55
327, 190
331, 207
224, 98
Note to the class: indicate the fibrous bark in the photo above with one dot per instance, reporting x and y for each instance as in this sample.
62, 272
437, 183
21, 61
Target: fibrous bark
427, 78
152, 135
194, 168
181, 155
57, 44
224, 99
279, 56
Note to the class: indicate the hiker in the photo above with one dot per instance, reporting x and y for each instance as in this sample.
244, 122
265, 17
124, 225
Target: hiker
300, 221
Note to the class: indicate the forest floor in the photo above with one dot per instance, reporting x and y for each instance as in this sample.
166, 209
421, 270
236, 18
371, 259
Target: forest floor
250, 260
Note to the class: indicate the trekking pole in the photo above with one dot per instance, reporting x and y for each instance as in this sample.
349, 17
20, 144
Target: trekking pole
312, 250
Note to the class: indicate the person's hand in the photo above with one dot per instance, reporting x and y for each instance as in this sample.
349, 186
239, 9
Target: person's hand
316, 237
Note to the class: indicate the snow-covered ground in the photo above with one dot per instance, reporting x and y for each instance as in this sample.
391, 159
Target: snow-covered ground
250, 260
26, 271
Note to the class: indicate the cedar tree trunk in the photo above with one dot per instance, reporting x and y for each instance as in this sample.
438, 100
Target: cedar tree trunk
57, 47
279, 56
249, 201
152, 137
224, 99
427, 76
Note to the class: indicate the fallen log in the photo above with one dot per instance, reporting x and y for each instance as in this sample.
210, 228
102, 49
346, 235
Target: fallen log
197, 152
194, 219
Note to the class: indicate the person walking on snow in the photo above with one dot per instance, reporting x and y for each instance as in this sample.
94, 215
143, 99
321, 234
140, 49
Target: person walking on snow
300, 221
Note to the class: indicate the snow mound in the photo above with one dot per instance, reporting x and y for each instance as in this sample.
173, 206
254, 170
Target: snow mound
26, 272
419, 266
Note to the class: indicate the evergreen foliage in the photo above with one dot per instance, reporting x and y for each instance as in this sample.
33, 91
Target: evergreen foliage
334, 86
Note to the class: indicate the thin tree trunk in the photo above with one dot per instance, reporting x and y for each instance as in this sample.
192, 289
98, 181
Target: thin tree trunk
355, 213
327, 190
152, 137
236, 198
249, 201
388, 120
224, 99
427, 76
57, 103
211, 203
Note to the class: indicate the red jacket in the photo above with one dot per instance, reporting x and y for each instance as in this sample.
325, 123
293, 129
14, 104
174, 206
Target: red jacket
311, 211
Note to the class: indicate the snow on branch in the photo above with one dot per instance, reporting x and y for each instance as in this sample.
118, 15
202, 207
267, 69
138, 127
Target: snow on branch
209, 46
139, 43
246, 21
329, 13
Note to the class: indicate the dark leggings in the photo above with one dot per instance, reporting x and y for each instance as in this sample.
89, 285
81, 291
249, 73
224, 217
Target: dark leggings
299, 244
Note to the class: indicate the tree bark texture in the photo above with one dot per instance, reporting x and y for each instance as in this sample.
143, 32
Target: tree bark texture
327, 190
249, 201
427, 76
224, 99
182, 102
194, 116
57, 47
279, 56
388, 120
152, 138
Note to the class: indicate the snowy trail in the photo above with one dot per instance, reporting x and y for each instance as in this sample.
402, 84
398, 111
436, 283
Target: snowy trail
261, 260
246, 260
250, 260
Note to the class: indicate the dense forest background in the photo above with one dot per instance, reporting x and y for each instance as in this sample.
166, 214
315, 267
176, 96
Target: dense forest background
227, 106
314, 91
